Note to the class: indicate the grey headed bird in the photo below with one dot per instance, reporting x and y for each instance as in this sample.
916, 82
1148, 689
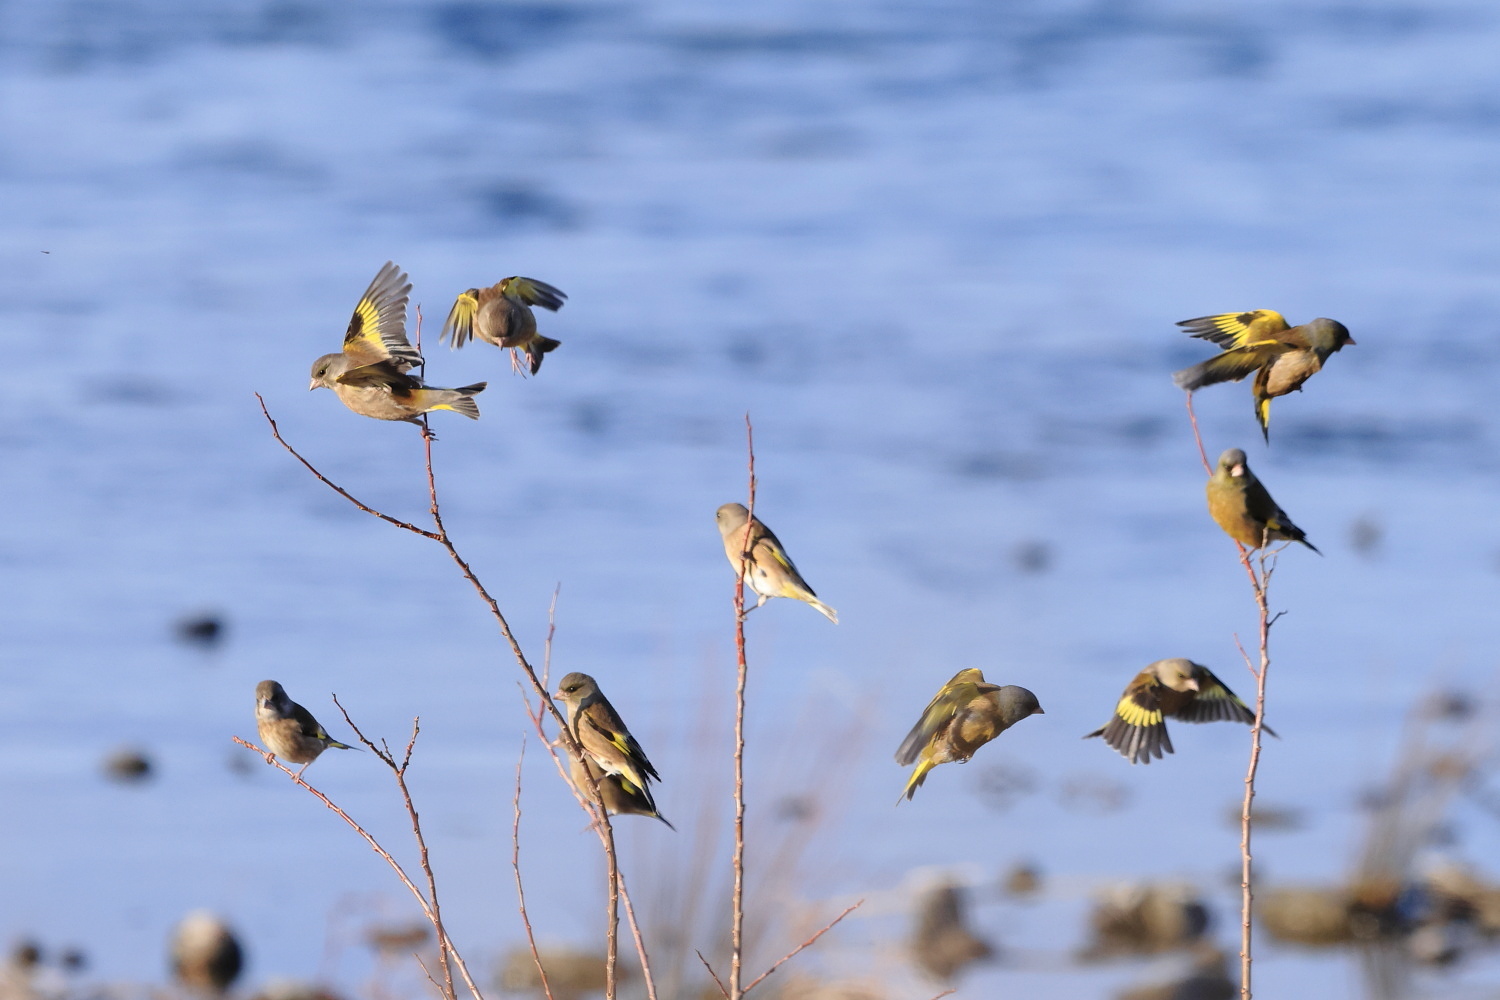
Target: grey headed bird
965, 715
1243, 508
771, 571
606, 742
618, 801
370, 374
287, 729
1260, 341
501, 315
1176, 689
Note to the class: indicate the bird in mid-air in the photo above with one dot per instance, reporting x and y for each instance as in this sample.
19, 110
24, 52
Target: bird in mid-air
370, 374
287, 729
965, 715
606, 742
1260, 341
771, 572
501, 315
1177, 689
1243, 507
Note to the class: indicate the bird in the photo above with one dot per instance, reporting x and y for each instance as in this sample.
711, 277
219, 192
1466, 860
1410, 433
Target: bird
618, 801
287, 729
606, 742
772, 573
501, 315
966, 714
1282, 356
206, 956
370, 374
1177, 689
1243, 508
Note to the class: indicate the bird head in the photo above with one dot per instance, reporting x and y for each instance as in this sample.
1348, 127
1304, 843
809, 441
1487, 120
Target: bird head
326, 369
1326, 336
1178, 673
1232, 463
271, 700
576, 687
731, 516
1017, 703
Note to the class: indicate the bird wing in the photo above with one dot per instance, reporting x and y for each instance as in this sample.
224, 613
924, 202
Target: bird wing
1232, 330
460, 322
377, 330
938, 715
387, 374
534, 293
1214, 702
1265, 511
614, 731
1231, 366
1138, 730
309, 725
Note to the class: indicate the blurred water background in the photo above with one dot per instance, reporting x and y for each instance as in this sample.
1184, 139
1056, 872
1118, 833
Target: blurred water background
934, 248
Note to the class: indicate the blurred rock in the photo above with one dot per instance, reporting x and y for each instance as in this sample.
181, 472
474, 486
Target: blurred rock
1032, 556
1145, 919
1002, 784
128, 766
1095, 794
293, 989
1265, 819
18, 974
1022, 881
1207, 979
1320, 917
206, 957
1366, 534
806, 988
942, 944
73, 960
572, 973
206, 631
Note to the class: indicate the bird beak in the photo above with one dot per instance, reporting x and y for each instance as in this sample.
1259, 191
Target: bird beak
1038, 711
1236, 470
313, 385
1193, 684
1351, 342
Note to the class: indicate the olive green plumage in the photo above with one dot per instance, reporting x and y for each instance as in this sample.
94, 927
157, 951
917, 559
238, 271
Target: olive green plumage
606, 742
501, 315
287, 729
1243, 508
370, 374
965, 714
1177, 688
1260, 341
620, 798
771, 571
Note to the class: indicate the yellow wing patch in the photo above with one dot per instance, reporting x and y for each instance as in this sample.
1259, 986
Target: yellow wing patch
1136, 714
460, 322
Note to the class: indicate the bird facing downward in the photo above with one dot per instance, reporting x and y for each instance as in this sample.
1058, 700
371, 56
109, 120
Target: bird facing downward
606, 742
965, 715
1260, 341
771, 571
287, 729
1175, 688
1243, 507
370, 374
501, 315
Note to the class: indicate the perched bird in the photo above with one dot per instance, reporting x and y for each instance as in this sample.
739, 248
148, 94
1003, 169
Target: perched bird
1260, 341
501, 315
965, 715
1178, 689
287, 729
772, 573
370, 374
619, 800
606, 742
206, 957
1243, 508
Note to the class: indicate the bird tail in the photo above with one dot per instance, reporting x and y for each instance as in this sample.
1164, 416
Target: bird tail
1230, 366
458, 400
340, 746
1309, 545
1263, 416
540, 345
824, 609
917, 777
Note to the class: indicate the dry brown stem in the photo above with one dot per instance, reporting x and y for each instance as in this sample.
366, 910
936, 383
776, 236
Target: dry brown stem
805, 944
515, 863
737, 906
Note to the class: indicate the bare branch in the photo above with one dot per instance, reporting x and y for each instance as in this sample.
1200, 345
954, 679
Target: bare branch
805, 944
515, 862
737, 906
717, 982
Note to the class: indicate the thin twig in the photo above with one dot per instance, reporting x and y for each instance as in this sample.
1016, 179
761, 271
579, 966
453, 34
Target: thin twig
1193, 417
805, 944
335, 486
515, 862
717, 981
375, 846
737, 906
